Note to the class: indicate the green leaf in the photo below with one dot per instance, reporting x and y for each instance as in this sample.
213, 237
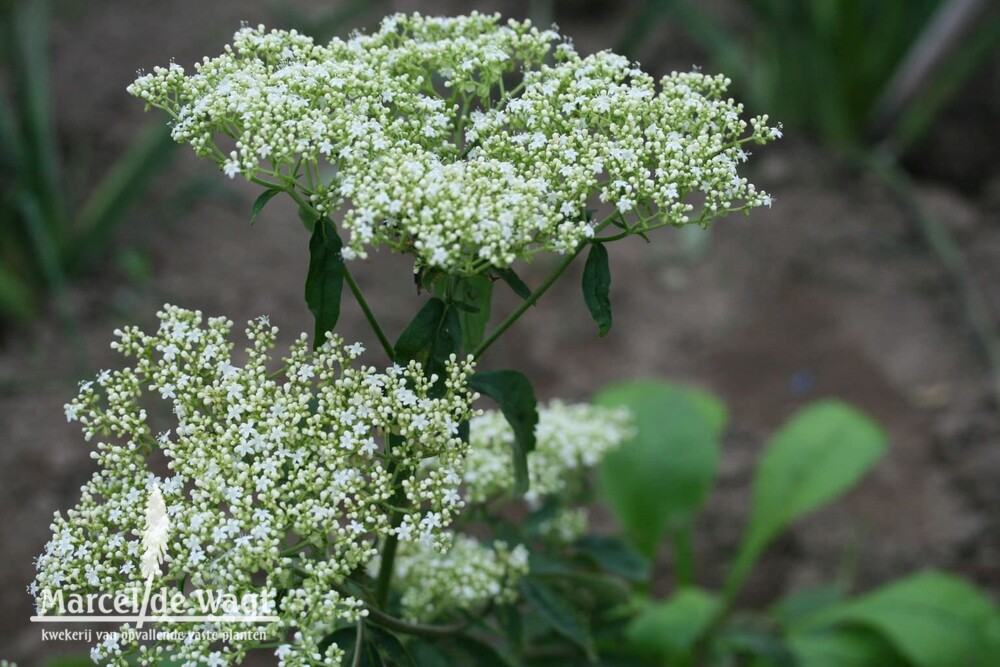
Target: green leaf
325, 280
431, 338
801, 604
558, 613
426, 654
511, 621
261, 202
844, 647
614, 555
447, 341
669, 629
476, 291
514, 394
765, 648
309, 218
933, 619
659, 479
418, 337
482, 654
514, 282
390, 649
817, 456
596, 287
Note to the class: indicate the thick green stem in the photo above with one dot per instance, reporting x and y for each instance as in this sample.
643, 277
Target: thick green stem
388, 557
369, 315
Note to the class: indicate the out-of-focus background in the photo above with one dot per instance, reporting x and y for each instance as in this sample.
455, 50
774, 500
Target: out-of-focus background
875, 278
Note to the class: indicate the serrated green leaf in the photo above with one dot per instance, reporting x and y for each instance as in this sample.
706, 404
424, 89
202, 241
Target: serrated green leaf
558, 613
261, 202
669, 629
596, 287
325, 280
933, 619
659, 479
516, 397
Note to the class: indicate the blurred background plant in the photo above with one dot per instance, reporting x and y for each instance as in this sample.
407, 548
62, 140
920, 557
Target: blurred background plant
657, 483
865, 78
48, 234
852, 73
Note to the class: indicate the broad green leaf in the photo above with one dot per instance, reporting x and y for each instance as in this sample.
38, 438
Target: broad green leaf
476, 291
558, 613
816, 457
933, 619
659, 479
614, 555
514, 394
843, 647
418, 337
325, 281
669, 629
596, 287
261, 202
514, 282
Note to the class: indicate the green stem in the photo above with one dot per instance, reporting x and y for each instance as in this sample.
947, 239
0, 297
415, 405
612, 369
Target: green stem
388, 557
388, 552
527, 303
418, 629
369, 315
359, 643
537, 294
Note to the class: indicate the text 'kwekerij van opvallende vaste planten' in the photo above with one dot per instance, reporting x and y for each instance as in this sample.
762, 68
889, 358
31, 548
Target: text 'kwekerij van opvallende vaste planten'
368, 490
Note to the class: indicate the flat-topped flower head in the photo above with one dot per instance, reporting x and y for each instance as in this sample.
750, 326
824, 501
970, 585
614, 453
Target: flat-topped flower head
264, 478
467, 142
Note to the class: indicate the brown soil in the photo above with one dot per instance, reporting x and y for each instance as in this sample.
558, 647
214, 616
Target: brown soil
830, 293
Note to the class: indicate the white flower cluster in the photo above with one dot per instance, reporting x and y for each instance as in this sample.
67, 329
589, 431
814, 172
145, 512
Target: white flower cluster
570, 440
467, 576
420, 133
273, 478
